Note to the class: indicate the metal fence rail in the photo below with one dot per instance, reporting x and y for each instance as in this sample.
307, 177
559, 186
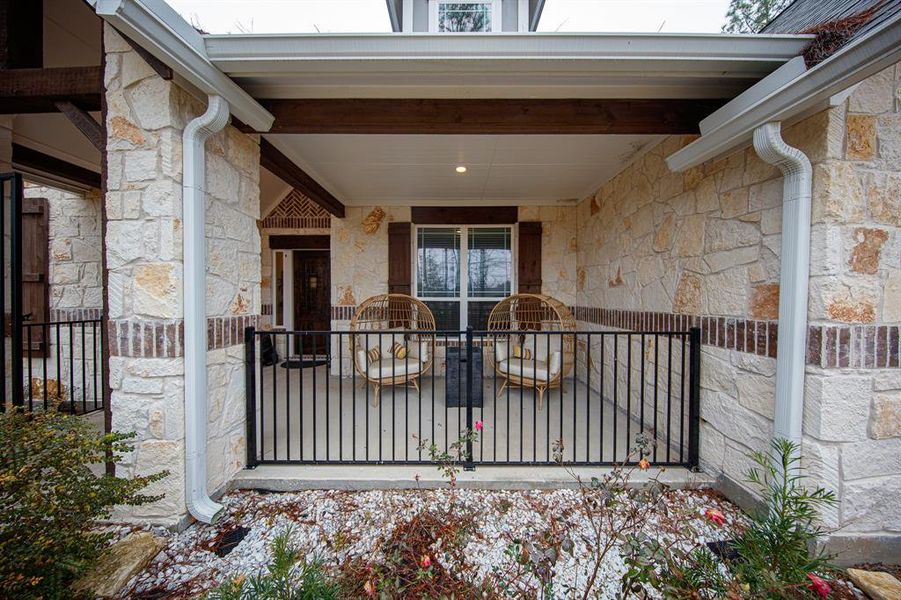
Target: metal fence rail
69, 374
327, 398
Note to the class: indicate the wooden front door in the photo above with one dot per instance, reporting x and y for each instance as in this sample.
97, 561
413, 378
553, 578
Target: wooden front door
312, 298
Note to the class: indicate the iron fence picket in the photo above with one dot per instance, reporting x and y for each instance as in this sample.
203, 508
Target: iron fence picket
570, 419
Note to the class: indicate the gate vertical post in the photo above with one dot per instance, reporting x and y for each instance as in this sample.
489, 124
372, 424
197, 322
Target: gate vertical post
469, 465
250, 374
694, 400
15, 289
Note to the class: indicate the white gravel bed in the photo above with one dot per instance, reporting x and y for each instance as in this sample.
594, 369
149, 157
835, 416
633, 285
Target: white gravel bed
335, 526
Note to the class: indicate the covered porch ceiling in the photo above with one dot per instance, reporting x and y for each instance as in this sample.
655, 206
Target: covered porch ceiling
534, 118
500, 169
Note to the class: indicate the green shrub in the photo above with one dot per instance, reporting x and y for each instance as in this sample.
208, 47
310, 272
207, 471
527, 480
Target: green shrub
288, 577
773, 557
51, 503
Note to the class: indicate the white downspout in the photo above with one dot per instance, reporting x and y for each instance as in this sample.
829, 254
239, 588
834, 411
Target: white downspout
792, 350
194, 140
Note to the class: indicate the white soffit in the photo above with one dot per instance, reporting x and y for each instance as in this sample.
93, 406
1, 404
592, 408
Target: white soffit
500, 169
500, 65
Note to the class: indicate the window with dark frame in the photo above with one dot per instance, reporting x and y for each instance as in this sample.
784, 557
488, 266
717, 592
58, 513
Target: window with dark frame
462, 272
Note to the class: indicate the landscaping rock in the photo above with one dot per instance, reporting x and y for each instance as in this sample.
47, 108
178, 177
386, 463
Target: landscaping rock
878, 585
122, 561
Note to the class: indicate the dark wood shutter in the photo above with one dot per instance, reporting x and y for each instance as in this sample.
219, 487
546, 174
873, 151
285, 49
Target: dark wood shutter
35, 271
400, 260
529, 280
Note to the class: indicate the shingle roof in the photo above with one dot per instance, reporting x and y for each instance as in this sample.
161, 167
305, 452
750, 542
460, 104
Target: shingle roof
801, 15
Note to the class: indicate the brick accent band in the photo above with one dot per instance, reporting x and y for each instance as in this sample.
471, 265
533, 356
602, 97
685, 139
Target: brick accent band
228, 331
854, 346
148, 338
62, 315
343, 313
828, 346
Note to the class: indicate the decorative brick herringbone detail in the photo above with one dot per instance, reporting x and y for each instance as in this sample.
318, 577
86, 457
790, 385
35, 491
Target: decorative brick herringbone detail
296, 211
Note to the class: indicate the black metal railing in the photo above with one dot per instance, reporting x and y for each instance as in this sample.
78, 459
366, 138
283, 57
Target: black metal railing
533, 398
64, 366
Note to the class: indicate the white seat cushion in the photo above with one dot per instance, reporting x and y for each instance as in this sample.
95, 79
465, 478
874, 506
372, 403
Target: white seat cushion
529, 369
386, 368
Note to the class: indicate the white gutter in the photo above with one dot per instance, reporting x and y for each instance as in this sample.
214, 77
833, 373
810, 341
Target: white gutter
194, 139
793, 281
866, 56
160, 30
762, 53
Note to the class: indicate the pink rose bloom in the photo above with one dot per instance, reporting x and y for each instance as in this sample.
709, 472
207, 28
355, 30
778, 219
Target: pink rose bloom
715, 516
819, 585
425, 562
479, 426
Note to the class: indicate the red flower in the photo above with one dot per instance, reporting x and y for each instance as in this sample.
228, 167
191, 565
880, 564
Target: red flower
425, 562
715, 516
479, 425
819, 585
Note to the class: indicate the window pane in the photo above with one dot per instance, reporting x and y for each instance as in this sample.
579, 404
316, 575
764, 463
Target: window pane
478, 314
490, 262
279, 308
438, 263
464, 16
447, 315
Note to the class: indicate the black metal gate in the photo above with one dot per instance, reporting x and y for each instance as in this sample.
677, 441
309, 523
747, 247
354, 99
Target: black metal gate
65, 367
616, 391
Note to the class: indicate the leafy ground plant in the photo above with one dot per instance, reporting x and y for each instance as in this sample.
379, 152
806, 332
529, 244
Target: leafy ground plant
51, 503
288, 577
772, 557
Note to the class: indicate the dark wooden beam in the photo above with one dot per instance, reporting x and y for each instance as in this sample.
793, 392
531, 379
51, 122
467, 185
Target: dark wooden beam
299, 242
84, 122
21, 34
464, 215
29, 159
161, 68
38, 90
284, 168
501, 116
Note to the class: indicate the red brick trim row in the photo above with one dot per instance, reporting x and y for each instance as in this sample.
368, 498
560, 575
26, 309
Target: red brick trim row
228, 331
61, 315
144, 338
148, 338
343, 313
854, 346
828, 346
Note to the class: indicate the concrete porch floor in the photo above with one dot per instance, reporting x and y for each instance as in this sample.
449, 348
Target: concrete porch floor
307, 415
288, 478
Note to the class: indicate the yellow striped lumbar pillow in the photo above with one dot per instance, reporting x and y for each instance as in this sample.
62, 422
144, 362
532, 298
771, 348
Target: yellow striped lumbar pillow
374, 354
399, 351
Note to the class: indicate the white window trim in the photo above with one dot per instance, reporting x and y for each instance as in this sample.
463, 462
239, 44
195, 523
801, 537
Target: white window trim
497, 23
464, 299
287, 290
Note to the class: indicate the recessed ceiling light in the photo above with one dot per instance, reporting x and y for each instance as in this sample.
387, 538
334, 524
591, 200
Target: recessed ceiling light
461, 169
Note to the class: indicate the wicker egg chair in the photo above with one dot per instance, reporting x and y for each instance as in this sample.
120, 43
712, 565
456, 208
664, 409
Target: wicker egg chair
522, 360
381, 323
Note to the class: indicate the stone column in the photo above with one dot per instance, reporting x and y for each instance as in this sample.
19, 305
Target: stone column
145, 119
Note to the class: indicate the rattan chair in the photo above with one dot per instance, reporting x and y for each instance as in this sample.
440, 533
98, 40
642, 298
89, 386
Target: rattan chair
541, 360
378, 324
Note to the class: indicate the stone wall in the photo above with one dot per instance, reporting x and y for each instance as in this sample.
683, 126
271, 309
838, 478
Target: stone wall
75, 293
701, 248
145, 119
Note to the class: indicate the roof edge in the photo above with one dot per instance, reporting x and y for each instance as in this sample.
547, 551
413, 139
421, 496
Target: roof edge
167, 36
855, 62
